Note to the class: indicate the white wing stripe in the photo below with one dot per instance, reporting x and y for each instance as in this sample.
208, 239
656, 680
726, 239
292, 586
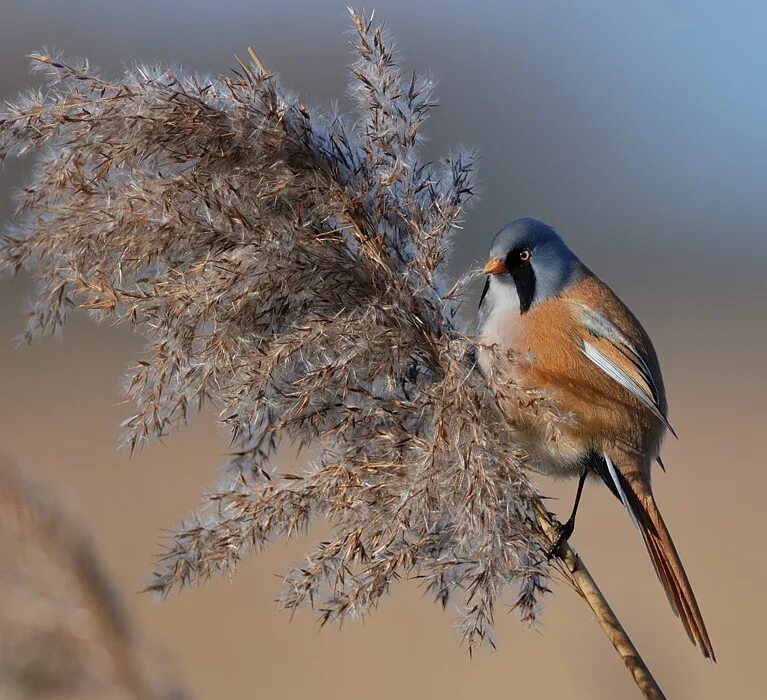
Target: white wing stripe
621, 492
612, 370
601, 327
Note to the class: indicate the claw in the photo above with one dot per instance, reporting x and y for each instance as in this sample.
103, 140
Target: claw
563, 535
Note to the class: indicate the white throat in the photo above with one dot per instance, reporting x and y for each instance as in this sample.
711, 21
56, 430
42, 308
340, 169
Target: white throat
499, 314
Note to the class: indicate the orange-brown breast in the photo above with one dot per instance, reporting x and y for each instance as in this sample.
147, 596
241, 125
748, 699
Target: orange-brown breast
607, 417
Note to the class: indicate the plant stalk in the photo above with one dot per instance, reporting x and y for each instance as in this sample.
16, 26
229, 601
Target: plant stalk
583, 582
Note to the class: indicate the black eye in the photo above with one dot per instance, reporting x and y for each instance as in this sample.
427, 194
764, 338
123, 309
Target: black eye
525, 254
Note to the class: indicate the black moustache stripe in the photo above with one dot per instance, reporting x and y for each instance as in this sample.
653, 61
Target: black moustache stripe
484, 291
524, 279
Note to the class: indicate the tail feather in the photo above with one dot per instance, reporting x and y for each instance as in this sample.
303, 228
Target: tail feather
668, 567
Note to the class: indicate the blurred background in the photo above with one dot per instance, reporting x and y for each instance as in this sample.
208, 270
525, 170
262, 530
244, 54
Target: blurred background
638, 131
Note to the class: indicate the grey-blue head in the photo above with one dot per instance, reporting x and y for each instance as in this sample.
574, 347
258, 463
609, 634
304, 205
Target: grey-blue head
529, 257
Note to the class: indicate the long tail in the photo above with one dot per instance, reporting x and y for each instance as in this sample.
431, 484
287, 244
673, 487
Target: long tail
667, 565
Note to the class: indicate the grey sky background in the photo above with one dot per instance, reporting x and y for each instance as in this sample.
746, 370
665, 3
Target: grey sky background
637, 123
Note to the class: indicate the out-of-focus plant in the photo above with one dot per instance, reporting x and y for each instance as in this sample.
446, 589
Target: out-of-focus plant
287, 266
63, 630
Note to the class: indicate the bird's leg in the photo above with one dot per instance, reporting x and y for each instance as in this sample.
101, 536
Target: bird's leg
566, 530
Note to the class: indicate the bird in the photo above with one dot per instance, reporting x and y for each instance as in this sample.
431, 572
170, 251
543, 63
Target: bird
547, 323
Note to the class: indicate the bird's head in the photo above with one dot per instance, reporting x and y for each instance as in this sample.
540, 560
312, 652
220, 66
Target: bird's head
530, 258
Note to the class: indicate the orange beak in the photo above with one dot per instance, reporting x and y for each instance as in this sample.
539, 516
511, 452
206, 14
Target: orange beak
494, 266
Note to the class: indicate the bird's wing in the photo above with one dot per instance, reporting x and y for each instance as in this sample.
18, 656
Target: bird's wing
601, 328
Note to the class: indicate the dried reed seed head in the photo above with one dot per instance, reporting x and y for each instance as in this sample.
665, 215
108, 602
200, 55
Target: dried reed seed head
287, 267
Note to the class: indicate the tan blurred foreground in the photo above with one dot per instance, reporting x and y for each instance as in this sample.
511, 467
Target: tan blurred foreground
59, 414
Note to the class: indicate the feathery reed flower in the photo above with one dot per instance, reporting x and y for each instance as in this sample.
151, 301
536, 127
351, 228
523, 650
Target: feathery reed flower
287, 266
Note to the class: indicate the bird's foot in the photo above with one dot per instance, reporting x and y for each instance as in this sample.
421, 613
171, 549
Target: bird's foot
563, 534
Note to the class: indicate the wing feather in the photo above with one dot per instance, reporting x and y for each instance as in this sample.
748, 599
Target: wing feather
647, 396
619, 487
601, 327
